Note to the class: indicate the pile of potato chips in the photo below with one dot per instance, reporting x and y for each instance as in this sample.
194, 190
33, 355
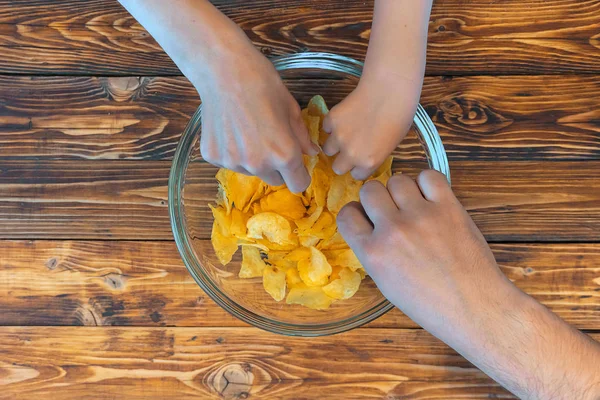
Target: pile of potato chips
291, 240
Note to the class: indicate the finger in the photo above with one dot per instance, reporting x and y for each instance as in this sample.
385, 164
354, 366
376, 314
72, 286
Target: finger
405, 192
328, 123
272, 178
301, 133
331, 146
377, 202
342, 164
354, 225
361, 173
296, 177
434, 186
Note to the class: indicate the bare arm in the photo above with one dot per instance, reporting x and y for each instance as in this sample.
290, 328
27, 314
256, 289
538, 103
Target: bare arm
250, 122
529, 350
197, 36
429, 259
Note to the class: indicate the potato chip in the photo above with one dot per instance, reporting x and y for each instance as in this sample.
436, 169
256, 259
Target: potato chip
285, 203
306, 223
324, 228
292, 278
313, 124
319, 187
274, 282
225, 246
308, 240
222, 200
384, 172
252, 263
316, 270
311, 297
345, 286
344, 189
271, 226
346, 258
336, 242
238, 223
299, 254
239, 189
317, 107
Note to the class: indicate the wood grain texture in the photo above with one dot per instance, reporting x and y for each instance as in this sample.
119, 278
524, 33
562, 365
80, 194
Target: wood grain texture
233, 363
130, 118
516, 201
478, 37
145, 284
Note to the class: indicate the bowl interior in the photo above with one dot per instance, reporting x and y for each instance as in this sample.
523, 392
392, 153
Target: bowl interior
193, 186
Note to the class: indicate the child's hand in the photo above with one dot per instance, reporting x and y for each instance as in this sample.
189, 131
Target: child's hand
368, 125
252, 124
423, 250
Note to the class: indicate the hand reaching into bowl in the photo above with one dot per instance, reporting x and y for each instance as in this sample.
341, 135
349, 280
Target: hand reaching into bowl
251, 123
429, 259
368, 125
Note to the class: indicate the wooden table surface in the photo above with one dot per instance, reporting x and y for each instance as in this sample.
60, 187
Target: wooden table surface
94, 300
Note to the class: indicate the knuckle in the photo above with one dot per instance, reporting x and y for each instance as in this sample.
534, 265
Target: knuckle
432, 176
286, 159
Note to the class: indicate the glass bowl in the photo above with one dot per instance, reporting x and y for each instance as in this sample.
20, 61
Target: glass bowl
192, 186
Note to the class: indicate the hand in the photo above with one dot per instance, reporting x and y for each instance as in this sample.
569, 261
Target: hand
422, 250
252, 124
368, 125
430, 260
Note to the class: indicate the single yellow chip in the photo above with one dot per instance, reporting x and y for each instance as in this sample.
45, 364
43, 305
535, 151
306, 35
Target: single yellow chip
384, 172
225, 246
308, 240
274, 282
316, 270
284, 203
319, 187
252, 263
344, 189
238, 223
292, 278
324, 228
271, 226
239, 189
311, 297
306, 223
313, 124
299, 254
347, 258
345, 286
317, 107
336, 242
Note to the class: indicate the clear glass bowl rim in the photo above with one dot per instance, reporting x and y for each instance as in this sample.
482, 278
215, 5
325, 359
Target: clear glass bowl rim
436, 158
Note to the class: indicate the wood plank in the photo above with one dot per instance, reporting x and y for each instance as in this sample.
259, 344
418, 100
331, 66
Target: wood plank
233, 363
478, 37
129, 118
477, 18
145, 284
516, 201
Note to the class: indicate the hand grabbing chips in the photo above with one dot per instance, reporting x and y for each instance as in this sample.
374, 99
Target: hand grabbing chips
290, 240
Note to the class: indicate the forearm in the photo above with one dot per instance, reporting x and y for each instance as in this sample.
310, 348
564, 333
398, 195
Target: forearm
529, 350
398, 43
197, 36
